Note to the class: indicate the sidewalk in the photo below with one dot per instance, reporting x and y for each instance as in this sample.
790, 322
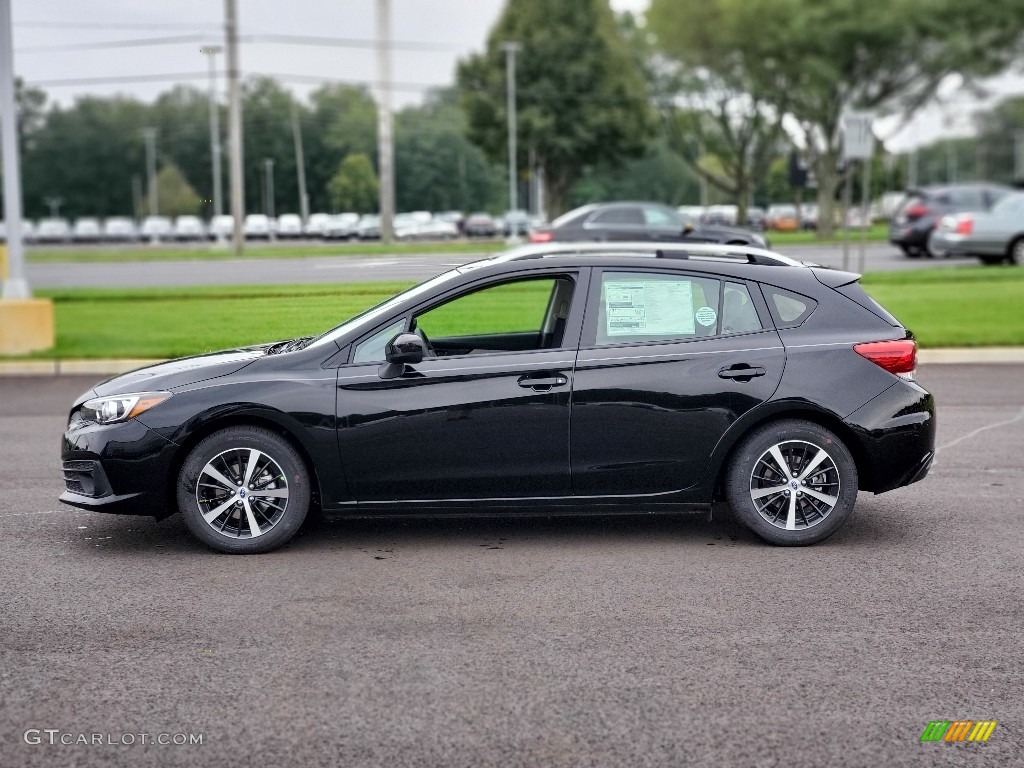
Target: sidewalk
961, 355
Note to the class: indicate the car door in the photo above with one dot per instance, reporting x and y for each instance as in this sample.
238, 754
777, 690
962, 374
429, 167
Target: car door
622, 223
667, 362
488, 417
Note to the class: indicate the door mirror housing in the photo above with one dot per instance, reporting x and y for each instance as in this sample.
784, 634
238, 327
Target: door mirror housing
688, 228
405, 349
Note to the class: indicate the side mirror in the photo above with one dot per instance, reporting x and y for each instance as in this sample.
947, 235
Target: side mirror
688, 228
405, 349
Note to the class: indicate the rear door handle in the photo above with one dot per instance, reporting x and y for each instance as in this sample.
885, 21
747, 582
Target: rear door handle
741, 371
542, 383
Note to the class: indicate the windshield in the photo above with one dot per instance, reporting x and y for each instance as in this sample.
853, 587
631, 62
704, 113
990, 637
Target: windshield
374, 313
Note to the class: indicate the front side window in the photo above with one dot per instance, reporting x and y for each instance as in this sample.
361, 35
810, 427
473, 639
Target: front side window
371, 350
659, 217
618, 216
638, 307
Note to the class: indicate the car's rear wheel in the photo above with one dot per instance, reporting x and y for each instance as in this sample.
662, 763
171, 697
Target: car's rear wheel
244, 490
1015, 253
911, 251
932, 250
792, 483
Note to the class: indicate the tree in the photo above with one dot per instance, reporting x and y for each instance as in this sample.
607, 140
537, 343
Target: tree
354, 187
581, 99
175, 195
815, 59
181, 116
341, 121
659, 174
267, 116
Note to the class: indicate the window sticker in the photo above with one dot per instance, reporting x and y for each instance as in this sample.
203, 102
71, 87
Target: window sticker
646, 308
706, 316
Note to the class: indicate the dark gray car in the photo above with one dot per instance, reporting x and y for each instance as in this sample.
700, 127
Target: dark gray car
921, 209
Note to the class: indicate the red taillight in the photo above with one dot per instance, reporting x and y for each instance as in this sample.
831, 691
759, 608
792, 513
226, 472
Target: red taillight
916, 211
899, 357
542, 236
964, 226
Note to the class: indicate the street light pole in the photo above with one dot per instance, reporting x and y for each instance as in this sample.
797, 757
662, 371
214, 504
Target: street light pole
53, 203
235, 125
215, 147
510, 50
16, 285
385, 139
300, 166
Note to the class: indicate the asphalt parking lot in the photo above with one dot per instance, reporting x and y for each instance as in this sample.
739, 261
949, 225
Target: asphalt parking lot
647, 641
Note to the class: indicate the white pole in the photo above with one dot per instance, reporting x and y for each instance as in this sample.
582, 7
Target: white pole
215, 148
300, 166
154, 202
16, 286
385, 145
235, 127
510, 50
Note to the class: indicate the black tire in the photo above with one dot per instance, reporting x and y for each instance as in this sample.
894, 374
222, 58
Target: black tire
801, 438
992, 261
910, 251
281, 524
1015, 253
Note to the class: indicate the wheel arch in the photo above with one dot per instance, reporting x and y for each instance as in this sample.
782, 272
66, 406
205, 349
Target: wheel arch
269, 420
727, 447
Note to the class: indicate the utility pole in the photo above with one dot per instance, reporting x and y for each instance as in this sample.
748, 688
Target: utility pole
300, 166
235, 125
215, 148
385, 140
510, 50
16, 285
1018, 164
154, 202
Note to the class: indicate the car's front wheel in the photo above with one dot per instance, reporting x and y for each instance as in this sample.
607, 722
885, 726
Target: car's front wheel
792, 483
244, 490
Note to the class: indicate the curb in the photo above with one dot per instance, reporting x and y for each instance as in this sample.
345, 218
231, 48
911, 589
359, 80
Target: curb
949, 355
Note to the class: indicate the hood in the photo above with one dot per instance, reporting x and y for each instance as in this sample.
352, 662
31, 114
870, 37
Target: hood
181, 372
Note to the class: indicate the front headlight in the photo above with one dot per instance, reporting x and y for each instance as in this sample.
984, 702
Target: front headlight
109, 410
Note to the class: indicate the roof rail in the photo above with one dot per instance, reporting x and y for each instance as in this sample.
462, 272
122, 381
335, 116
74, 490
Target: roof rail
697, 251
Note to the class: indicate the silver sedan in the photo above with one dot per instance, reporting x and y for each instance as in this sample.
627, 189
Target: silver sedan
994, 237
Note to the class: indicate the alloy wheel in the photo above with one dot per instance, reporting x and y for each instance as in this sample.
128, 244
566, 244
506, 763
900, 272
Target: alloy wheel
242, 493
794, 485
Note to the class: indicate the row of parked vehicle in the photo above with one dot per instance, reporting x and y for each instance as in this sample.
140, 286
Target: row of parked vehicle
780, 217
418, 225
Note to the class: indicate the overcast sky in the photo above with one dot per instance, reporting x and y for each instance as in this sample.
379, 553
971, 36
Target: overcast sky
451, 29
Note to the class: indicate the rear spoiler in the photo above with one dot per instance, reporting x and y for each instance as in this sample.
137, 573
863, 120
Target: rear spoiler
834, 278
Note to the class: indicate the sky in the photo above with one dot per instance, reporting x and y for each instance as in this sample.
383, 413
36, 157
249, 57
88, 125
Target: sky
430, 37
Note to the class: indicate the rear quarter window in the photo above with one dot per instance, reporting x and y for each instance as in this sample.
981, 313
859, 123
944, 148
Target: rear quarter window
788, 309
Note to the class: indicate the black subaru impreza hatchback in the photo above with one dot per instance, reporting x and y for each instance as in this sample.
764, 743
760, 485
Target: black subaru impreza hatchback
557, 378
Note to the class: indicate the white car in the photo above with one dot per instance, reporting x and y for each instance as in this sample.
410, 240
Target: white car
436, 229
343, 226
289, 225
53, 231
156, 227
257, 225
189, 228
222, 226
120, 229
86, 230
315, 224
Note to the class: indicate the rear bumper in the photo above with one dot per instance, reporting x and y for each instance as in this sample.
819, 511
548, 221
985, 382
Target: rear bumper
912, 235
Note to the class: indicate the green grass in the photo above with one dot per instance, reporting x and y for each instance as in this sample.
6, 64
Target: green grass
959, 306
259, 251
956, 307
879, 233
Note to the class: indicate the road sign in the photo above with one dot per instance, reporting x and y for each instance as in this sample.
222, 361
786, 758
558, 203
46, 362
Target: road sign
858, 138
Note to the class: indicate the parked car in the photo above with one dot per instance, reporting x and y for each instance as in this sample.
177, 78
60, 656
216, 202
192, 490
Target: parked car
435, 229
922, 208
315, 224
757, 219
480, 225
120, 229
289, 226
452, 217
721, 215
995, 236
637, 221
189, 228
691, 213
695, 374
257, 226
28, 231
404, 226
222, 227
156, 228
343, 226
53, 230
809, 217
368, 227
86, 230
782, 218
516, 223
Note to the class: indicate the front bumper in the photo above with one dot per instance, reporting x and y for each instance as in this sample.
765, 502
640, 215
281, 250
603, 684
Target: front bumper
121, 468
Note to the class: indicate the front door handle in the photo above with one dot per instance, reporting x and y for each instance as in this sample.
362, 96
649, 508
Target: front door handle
741, 372
542, 383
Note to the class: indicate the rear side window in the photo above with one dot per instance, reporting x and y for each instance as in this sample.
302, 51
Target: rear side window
738, 313
788, 309
967, 200
651, 307
618, 216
